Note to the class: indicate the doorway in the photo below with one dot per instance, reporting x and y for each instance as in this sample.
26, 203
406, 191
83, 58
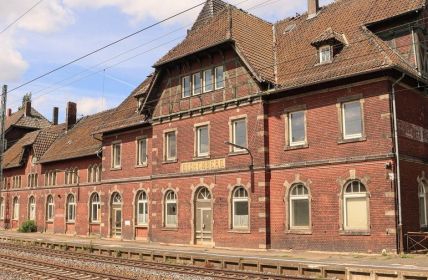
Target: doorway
116, 216
203, 216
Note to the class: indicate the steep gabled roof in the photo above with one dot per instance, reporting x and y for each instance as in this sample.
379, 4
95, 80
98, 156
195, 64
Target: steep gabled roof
33, 121
78, 141
230, 24
14, 156
209, 10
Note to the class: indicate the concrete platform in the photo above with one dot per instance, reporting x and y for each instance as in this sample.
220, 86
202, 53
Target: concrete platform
348, 265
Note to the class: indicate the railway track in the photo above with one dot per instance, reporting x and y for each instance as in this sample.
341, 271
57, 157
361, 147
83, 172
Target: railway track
164, 267
37, 269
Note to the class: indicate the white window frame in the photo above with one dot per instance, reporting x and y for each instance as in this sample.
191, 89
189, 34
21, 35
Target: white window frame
198, 141
215, 77
290, 129
167, 150
293, 197
71, 209
205, 85
142, 201
142, 162
240, 199
321, 51
423, 194
171, 200
193, 83
97, 205
346, 197
356, 135
32, 208
114, 163
233, 124
183, 91
15, 204
50, 209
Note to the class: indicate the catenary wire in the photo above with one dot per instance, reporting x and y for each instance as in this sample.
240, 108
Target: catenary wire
20, 17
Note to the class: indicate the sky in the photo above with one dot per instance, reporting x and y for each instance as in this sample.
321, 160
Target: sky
56, 32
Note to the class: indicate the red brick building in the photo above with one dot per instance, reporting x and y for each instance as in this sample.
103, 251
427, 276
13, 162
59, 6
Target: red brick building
309, 133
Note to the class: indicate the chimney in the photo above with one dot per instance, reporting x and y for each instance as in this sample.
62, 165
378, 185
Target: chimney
71, 114
313, 8
55, 115
27, 108
9, 112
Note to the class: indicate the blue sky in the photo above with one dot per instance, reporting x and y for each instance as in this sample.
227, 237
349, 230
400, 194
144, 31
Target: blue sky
56, 32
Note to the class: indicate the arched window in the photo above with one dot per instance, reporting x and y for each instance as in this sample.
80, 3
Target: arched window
170, 209
299, 207
95, 208
240, 208
1, 208
142, 209
355, 205
71, 209
204, 194
422, 205
15, 214
50, 209
75, 175
32, 208
117, 199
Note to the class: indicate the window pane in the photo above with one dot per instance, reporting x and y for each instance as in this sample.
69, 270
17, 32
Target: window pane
208, 80
352, 119
422, 211
203, 140
142, 151
300, 212
297, 127
325, 54
356, 213
240, 215
171, 148
116, 155
219, 77
197, 83
240, 133
171, 214
186, 86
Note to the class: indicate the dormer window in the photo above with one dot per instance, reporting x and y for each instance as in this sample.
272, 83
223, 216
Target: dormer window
325, 54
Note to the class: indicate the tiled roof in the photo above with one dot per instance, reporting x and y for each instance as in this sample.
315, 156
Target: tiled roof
144, 86
231, 24
364, 52
34, 121
329, 36
77, 141
210, 9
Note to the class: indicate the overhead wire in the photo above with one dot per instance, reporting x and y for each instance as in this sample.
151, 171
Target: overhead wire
20, 17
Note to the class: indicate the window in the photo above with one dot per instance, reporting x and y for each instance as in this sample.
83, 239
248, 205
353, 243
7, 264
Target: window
15, 204
32, 208
239, 134
197, 88
1, 208
170, 146
71, 209
71, 176
422, 206
50, 211
142, 210
355, 206
297, 128
170, 209
299, 207
116, 155
186, 86
32, 180
325, 54
202, 141
16, 182
352, 120
240, 208
208, 80
142, 151
94, 173
219, 77
4, 183
50, 178
95, 208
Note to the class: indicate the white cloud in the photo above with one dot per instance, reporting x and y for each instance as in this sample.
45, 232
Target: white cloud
12, 64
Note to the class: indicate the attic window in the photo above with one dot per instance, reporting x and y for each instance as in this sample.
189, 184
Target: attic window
325, 54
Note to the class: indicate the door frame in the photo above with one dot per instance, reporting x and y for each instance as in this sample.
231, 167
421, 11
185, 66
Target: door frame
113, 224
194, 215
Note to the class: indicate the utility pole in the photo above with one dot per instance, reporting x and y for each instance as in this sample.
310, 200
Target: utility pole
2, 148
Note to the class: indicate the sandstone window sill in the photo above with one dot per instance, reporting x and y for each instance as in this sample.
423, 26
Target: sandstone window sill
299, 231
354, 233
239, 153
240, 231
115, 168
169, 229
196, 158
141, 166
352, 140
170, 161
296, 147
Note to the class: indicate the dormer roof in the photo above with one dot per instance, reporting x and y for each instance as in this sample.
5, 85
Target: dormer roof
329, 37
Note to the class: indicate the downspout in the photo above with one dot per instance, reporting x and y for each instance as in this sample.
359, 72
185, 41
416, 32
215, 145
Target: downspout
397, 159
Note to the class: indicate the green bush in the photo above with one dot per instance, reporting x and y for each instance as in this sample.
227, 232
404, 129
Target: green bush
28, 226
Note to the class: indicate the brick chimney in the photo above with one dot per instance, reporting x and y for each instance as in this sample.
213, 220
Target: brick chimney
27, 108
313, 8
9, 112
55, 115
71, 114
